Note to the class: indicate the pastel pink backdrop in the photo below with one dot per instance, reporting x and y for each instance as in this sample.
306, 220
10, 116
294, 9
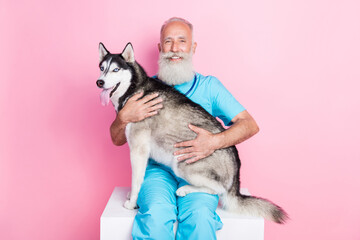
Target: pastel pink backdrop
293, 64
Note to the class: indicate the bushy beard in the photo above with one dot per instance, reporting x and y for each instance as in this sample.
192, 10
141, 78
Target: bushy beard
175, 73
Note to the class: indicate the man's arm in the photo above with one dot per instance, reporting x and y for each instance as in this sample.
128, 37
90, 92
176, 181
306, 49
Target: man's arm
244, 127
117, 131
134, 110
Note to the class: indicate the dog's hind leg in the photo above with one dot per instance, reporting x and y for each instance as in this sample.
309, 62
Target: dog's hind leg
185, 190
201, 184
139, 155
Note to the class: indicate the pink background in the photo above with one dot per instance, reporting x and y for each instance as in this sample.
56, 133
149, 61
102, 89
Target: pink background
294, 65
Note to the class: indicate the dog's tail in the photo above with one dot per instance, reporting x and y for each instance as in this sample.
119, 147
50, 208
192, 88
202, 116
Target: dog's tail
253, 206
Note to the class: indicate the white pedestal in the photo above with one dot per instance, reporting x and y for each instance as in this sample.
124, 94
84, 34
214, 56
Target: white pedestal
116, 221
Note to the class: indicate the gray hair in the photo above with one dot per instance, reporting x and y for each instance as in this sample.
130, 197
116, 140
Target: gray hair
178, 19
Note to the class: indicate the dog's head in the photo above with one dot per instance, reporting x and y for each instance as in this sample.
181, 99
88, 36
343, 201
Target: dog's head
115, 72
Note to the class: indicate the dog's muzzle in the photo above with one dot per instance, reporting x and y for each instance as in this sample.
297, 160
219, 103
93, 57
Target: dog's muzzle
100, 83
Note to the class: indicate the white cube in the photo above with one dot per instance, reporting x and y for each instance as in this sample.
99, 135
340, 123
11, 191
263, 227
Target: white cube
116, 221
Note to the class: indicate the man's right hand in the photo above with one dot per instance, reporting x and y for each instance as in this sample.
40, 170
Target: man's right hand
136, 109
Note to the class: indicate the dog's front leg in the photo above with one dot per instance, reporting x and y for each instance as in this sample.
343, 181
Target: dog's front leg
139, 155
138, 165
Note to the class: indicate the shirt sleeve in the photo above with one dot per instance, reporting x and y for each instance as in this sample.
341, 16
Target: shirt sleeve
224, 105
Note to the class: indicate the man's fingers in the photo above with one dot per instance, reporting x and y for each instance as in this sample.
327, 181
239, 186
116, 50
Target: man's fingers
149, 97
185, 150
192, 160
149, 114
195, 128
186, 156
153, 102
145, 99
136, 96
154, 108
184, 144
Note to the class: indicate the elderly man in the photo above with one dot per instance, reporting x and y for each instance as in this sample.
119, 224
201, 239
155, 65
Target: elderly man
159, 207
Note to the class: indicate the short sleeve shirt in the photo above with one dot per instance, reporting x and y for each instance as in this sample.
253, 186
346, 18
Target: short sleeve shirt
211, 94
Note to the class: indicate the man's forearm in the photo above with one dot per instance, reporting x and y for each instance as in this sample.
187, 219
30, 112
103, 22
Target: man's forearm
241, 130
117, 132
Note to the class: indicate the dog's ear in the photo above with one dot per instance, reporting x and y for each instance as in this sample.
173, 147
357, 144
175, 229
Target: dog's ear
102, 51
128, 53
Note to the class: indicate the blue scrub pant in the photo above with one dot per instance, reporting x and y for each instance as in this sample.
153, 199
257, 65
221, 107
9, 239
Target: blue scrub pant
159, 208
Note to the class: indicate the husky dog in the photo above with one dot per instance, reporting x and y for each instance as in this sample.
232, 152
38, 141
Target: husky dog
154, 137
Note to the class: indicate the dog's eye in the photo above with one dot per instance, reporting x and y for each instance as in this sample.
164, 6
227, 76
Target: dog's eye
101, 68
116, 70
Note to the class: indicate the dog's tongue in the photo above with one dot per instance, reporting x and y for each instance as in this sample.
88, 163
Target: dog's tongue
105, 96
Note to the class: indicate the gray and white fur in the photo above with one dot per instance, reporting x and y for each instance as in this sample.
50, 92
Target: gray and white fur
154, 137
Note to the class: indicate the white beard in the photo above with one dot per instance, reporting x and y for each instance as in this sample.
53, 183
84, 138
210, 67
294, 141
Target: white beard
175, 73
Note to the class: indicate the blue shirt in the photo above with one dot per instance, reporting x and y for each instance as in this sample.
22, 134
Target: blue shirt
211, 94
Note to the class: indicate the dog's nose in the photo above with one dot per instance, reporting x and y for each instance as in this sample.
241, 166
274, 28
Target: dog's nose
100, 83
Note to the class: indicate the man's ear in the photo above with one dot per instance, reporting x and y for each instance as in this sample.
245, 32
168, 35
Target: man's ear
159, 47
102, 51
128, 53
194, 47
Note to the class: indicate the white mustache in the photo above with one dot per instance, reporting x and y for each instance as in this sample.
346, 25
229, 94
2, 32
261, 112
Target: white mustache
169, 55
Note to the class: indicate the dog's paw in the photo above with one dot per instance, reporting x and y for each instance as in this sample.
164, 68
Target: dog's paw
129, 205
183, 191
128, 195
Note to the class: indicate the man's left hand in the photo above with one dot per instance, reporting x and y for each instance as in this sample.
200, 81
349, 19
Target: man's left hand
202, 146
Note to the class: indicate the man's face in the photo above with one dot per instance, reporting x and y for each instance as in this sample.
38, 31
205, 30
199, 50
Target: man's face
176, 37
176, 51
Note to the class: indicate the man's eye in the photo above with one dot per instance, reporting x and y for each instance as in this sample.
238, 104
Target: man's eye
101, 68
116, 70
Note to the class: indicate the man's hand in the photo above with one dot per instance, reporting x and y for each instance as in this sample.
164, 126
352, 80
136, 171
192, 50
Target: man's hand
202, 146
205, 143
136, 109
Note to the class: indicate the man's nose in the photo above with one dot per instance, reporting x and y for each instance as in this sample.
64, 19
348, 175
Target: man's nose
174, 47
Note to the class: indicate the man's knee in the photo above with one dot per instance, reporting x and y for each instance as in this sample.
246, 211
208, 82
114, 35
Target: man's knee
198, 202
200, 223
156, 210
155, 221
196, 214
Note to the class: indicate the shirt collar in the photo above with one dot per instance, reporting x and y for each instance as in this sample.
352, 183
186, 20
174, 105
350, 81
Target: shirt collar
186, 86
